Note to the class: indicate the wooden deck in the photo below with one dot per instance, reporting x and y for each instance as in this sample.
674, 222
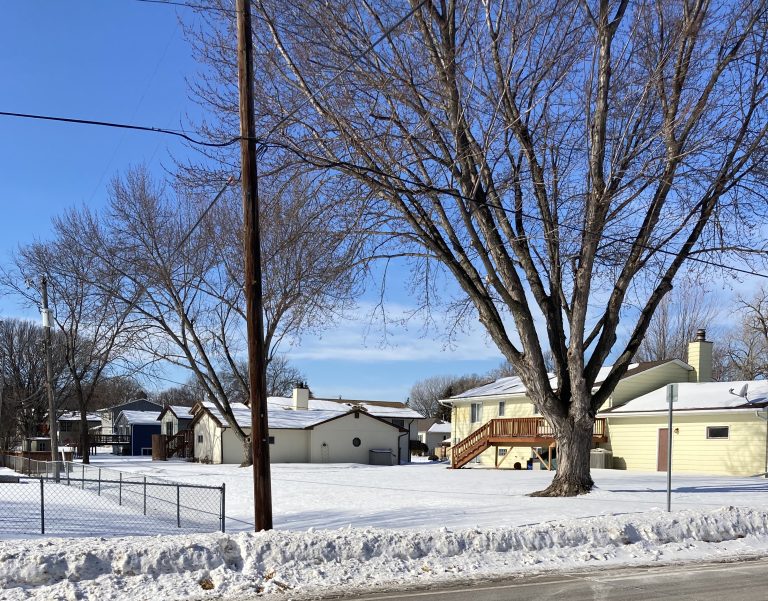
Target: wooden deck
512, 432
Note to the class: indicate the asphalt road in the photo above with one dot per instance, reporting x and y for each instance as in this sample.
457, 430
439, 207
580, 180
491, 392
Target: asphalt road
737, 581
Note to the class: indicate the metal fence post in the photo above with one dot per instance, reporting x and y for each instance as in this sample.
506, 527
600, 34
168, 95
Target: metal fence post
82, 475
99, 481
67, 469
145, 495
178, 507
120, 490
42, 506
223, 496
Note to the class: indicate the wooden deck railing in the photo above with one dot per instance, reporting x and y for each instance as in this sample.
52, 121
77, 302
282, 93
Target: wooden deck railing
515, 429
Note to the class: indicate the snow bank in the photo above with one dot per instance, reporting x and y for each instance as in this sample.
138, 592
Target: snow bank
306, 562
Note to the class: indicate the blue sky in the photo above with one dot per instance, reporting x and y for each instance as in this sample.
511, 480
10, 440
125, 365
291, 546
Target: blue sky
127, 61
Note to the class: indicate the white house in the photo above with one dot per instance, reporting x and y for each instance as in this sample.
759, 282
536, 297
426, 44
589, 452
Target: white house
393, 412
300, 435
436, 434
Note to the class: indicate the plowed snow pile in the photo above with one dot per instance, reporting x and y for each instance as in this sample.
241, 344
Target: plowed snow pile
285, 564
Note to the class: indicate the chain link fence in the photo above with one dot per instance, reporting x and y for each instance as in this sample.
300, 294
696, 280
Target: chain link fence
69, 499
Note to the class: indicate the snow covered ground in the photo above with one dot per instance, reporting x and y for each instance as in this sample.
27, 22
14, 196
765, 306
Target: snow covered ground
354, 527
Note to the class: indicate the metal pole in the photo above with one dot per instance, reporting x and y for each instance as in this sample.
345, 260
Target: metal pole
262, 487
82, 475
178, 507
42, 507
671, 398
120, 490
99, 481
52, 424
223, 496
145, 495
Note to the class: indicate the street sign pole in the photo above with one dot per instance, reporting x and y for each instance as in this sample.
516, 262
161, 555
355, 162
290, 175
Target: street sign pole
671, 398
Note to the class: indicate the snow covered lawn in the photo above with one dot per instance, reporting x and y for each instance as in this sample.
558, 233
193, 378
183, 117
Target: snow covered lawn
355, 526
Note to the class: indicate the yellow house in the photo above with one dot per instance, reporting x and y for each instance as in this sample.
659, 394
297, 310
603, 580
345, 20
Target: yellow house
717, 428
498, 425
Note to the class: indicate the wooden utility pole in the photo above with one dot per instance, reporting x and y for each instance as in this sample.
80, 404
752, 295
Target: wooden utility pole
52, 423
257, 380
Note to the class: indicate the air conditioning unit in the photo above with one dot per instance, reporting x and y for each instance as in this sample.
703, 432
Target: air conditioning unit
601, 459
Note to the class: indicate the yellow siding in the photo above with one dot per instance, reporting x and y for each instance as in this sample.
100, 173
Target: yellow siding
634, 441
645, 382
461, 427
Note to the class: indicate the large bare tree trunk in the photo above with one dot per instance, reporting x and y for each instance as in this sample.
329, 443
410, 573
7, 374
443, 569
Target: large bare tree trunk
574, 441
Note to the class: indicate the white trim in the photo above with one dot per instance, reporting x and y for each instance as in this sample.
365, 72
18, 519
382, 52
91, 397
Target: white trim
680, 412
726, 426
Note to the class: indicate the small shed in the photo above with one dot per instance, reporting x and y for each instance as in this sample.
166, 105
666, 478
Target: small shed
139, 426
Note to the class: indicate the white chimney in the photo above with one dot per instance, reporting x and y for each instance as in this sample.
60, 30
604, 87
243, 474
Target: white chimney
700, 358
301, 398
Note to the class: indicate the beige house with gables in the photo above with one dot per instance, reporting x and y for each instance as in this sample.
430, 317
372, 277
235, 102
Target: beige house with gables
497, 425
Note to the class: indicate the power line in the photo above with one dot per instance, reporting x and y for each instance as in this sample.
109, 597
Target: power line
577, 228
189, 5
158, 130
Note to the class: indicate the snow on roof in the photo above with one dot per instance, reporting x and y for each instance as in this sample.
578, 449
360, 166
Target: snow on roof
700, 395
388, 411
514, 385
279, 418
180, 411
140, 417
74, 416
440, 428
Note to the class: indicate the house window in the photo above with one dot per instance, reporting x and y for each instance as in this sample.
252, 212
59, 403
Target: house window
717, 432
146, 451
200, 439
476, 410
502, 452
65, 426
502, 408
271, 440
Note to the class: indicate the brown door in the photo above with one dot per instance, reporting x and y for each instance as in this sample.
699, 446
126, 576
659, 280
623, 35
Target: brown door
663, 448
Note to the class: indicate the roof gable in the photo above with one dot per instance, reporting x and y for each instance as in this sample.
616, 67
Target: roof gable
513, 385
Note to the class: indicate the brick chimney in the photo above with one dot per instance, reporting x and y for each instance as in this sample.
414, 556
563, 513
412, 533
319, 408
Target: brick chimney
301, 397
700, 358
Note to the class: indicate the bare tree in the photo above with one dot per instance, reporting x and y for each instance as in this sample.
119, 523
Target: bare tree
747, 351
425, 394
186, 288
93, 322
679, 315
22, 362
562, 161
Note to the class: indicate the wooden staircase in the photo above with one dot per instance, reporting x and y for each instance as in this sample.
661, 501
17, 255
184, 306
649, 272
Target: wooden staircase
517, 431
180, 445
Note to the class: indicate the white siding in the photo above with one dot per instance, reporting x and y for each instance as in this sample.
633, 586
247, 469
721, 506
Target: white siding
331, 442
208, 440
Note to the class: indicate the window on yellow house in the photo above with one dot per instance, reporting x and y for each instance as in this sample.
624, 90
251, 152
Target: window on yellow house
717, 432
476, 410
502, 408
